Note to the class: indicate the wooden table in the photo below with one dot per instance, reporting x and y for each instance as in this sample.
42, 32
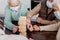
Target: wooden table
43, 35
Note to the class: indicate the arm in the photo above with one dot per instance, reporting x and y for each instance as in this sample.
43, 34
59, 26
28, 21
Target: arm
24, 10
56, 8
52, 27
42, 21
34, 11
48, 22
7, 20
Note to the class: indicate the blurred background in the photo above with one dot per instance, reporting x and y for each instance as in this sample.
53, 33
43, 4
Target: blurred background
29, 4
3, 4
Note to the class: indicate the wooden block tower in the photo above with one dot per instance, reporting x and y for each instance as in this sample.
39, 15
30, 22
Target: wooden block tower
22, 25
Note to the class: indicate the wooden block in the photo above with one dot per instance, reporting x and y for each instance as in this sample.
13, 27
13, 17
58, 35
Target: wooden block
22, 25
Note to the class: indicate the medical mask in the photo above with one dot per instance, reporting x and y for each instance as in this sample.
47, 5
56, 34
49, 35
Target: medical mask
57, 14
49, 4
15, 8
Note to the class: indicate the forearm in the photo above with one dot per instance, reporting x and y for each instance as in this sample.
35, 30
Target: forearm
8, 25
52, 27
48, 22
7, 20
34, 11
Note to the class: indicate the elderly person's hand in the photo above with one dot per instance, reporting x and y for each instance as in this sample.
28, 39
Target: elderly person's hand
15, 29
38, 19
30, 28
31, 39
29, 25
36, 28
55, 7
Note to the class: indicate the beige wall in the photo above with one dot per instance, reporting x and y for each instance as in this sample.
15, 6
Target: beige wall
57, 2
3, 4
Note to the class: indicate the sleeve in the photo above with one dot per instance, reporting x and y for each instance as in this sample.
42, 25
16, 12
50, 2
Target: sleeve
47, 21
52, 27
24, 10
57, 14
34, 11
7, 20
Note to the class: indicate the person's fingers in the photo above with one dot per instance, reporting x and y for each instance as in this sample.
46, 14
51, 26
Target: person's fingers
31, 39
28, 20
55, 7
38, 19
36, 28
29, 26
14, 30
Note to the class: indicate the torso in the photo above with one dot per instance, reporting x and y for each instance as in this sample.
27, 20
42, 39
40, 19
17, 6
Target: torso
43, 13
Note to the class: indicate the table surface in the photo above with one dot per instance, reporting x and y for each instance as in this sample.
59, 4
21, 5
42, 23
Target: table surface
12, 37
43, 35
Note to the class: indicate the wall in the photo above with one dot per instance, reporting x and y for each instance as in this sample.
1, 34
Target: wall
57, 2
3, 4
27, 3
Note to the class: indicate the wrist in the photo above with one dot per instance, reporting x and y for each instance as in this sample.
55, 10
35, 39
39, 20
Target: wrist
28, 20
39, 29
15, 26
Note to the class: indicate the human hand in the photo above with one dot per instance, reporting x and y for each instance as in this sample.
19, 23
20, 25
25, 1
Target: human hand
55, 7
29, 27
36, 28
38, 19
15, 29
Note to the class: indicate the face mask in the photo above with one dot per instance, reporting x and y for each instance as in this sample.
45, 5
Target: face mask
15, 8
57, 14
49, 4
